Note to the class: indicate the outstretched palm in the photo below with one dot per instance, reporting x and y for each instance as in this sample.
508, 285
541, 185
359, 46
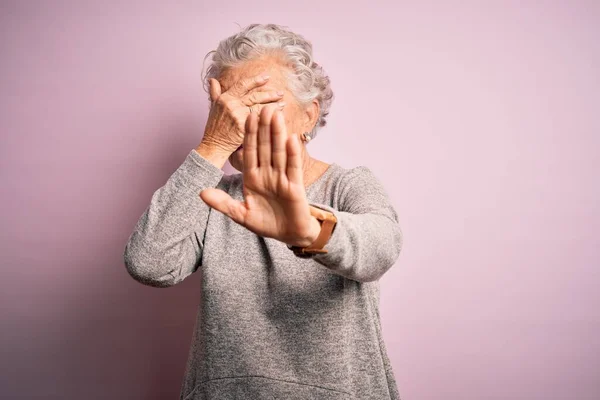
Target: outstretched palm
275, 203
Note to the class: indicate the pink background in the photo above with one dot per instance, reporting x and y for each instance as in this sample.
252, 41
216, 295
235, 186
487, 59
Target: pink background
481, 120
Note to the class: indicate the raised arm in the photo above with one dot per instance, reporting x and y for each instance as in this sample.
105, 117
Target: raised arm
367, 238
166, 244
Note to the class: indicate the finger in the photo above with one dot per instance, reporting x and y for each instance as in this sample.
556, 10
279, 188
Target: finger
250, 139
223, 202
264, 136
257, 108
215, 89
278, 140
243, 86
260, 97
294, 160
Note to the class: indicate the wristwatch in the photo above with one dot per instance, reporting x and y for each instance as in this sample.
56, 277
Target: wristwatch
328, 222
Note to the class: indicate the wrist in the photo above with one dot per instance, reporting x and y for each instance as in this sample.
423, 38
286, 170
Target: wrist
327, 221
214, 154
314, 231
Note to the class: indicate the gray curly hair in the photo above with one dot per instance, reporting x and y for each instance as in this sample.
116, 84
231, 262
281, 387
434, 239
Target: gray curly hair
307, 80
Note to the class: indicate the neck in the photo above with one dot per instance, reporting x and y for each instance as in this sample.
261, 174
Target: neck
307, 167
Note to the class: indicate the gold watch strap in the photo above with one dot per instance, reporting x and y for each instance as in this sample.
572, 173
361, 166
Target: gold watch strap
328, 221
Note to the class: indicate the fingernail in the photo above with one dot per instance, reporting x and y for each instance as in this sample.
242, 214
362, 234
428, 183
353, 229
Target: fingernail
265, 77
281, 104
280, 93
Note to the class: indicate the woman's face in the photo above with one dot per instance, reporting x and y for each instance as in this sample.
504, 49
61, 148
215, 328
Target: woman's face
298, 119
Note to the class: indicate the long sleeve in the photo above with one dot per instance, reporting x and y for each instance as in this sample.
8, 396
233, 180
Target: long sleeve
166, 244
367, 238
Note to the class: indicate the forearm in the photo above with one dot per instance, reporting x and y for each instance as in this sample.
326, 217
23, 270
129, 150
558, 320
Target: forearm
362, 247
166, 243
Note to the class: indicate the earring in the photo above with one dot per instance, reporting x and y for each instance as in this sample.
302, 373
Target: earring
306, 137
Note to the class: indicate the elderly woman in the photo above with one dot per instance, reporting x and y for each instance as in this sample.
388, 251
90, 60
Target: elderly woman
290, 249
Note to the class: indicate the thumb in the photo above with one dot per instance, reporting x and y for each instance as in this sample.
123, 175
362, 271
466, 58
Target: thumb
215, 89
223, 202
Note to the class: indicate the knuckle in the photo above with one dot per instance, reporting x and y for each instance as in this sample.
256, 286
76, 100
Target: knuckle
244, 84
236, 88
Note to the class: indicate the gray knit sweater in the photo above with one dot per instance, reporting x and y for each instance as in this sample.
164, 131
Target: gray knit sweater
272, 325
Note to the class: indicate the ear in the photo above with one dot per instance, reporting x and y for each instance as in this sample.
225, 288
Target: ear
312, 113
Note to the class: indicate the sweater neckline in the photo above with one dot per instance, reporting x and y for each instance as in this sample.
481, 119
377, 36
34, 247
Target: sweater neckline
310, 187
322, 177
